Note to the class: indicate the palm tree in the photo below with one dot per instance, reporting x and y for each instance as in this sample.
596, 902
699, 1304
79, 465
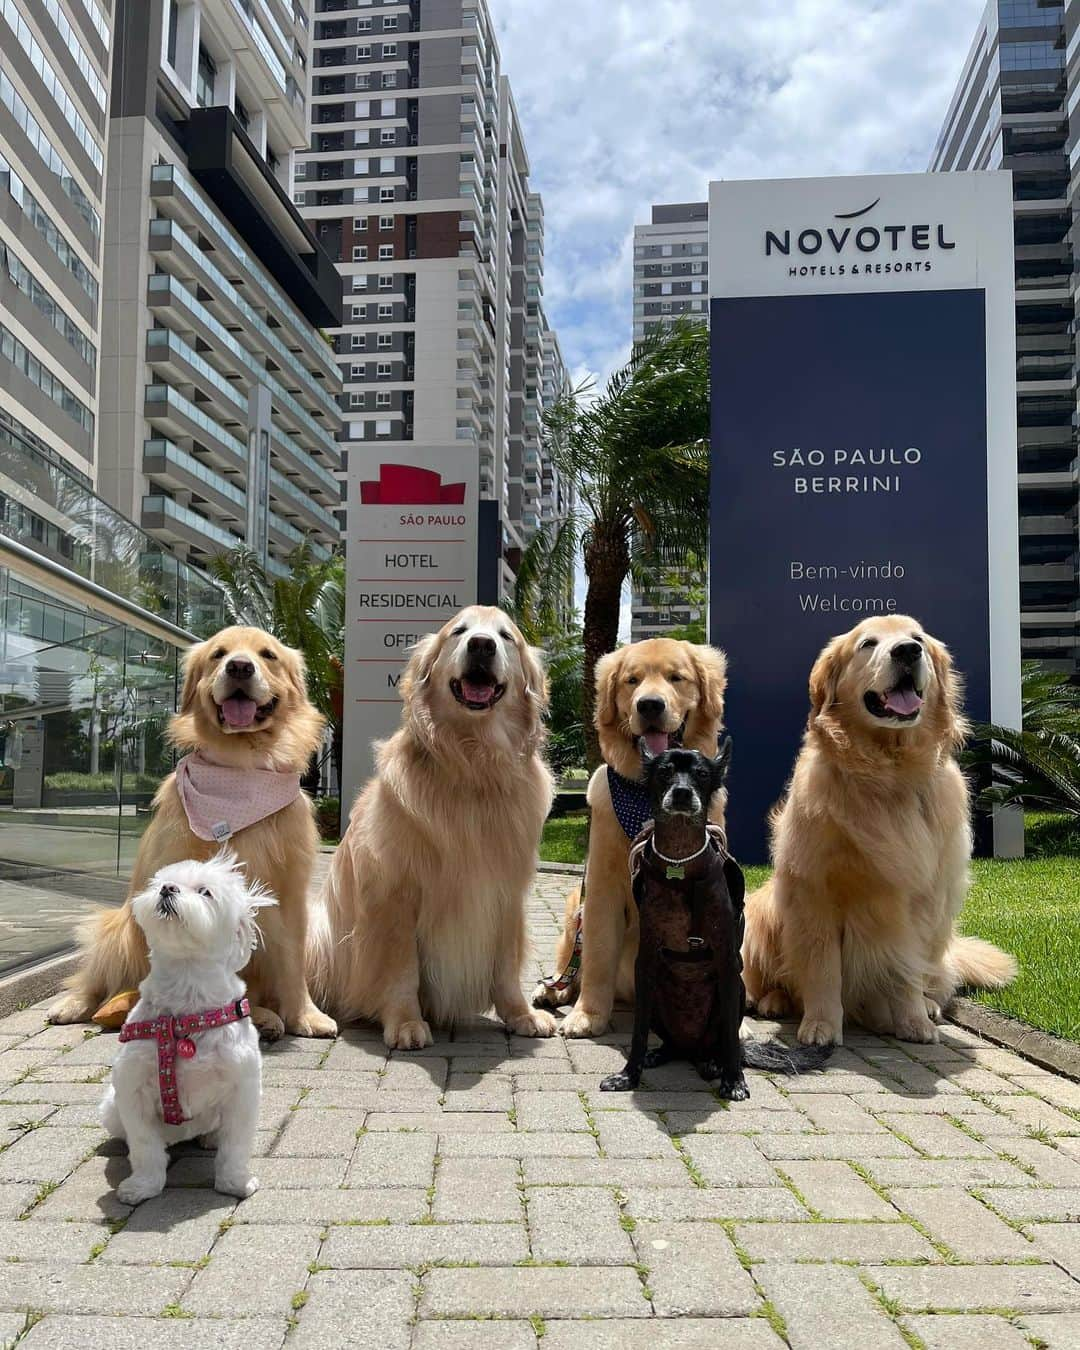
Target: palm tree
637, 458
305, 609
1038, 766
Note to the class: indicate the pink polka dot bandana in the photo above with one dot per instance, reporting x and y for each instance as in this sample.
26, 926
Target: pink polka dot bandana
221, 801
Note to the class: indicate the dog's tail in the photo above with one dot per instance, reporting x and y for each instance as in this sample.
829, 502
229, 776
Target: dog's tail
776, 1057
980, 965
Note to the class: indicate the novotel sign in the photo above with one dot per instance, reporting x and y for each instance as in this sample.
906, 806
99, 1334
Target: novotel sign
864, 238
863, 443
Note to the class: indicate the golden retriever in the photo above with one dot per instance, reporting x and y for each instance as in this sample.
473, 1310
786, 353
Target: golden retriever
243, 705
667, 691
423, 916
871, 848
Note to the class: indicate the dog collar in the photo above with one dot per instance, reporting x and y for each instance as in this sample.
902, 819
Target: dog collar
630, 801
173, 1036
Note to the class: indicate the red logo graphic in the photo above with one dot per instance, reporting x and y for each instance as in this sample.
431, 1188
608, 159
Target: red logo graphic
407, 485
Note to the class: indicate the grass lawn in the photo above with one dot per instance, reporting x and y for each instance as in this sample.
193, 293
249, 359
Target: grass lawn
1031, 908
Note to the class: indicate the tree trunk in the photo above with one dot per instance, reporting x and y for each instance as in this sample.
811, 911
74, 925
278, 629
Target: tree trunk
607, 565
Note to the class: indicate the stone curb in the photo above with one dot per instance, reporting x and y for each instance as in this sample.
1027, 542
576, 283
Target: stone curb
36, 982
1049, 1052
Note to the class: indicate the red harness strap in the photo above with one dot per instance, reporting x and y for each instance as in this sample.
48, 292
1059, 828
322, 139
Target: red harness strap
173, 1036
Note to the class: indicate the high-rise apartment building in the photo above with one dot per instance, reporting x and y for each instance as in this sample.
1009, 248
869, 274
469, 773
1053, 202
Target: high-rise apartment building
54, 88
417, 184
671, 282
1012, 109
218, 402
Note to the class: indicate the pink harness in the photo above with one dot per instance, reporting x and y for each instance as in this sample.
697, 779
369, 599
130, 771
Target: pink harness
220, 801
173, 1036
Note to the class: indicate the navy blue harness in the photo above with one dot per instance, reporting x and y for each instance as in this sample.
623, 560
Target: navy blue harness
631, 803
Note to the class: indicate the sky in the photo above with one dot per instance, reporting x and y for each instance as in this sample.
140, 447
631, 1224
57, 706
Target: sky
628, 102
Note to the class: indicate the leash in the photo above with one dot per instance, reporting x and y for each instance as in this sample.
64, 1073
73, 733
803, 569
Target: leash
173, 1036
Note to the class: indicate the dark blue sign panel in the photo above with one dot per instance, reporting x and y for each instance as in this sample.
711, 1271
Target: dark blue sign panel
848, 479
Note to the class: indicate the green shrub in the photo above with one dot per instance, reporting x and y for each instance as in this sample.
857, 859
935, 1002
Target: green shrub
68, 781
328, 817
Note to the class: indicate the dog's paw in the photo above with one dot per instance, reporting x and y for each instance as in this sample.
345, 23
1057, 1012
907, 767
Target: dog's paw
268, 1024
774, 1004
535, 1022
933, 1011
819, 1031
733, 1089
581, 1023
313, 1023
543, 996
407, 1035
912, 1027
134, 1189
72, 1007
241, 1186
618, 1082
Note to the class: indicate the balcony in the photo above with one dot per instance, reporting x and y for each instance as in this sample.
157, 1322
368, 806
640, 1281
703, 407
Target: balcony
167, 464
170, 412
180, 525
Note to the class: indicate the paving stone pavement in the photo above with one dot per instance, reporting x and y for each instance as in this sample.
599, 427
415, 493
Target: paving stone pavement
485, 1195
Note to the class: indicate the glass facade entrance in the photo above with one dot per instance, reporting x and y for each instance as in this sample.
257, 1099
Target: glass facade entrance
94, 619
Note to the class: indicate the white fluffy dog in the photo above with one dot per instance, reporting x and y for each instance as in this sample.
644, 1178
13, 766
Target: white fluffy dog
189, 1065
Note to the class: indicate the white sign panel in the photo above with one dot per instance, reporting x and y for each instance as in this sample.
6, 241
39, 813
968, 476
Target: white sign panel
411, 526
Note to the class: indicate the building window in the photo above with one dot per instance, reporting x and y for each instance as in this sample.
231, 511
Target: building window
383, 370
390, 22
697, 267
356, 372
385, 340
386, 222
389, 49
386, 311
665, 269
382, 428
361, 137
387, 107
387, 136
385, 251
364, 25
386, 281
382, 398
359, 312
362, 82
359, 253
357, 341
204, 79
241, 114
359, 222
387, 163
1031, 56
11, 349
363, 53
389, 79
174, 16
356, 400
386, 194
359, 281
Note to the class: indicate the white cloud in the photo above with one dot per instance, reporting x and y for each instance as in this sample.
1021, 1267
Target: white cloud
629, 102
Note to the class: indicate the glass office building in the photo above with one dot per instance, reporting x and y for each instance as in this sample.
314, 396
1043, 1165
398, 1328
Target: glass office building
95, 618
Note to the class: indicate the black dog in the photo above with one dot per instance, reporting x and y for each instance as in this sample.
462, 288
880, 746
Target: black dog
688, 976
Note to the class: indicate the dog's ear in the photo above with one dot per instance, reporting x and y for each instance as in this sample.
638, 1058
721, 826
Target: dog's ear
194, 664
422, 657
606, 712
825, 677
295, 667
710, 669
721, 764
247, 936
950, 691
536, 680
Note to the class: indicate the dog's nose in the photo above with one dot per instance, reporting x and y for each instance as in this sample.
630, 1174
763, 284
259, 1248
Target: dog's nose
907, 653
167, 892
651, 707
240, 670
682, 796
481, 646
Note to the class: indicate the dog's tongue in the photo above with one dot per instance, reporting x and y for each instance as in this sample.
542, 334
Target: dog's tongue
238, 711
657, 741
903, 702
477, 693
